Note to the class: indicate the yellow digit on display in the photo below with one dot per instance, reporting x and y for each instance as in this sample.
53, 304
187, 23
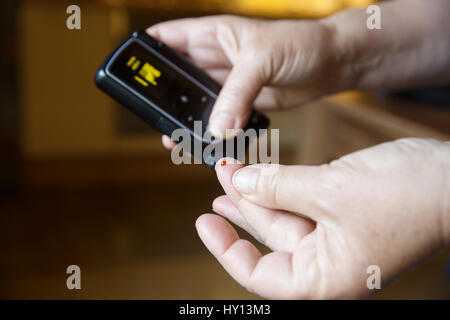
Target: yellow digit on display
135, 65
144, 83
130, 61
149, 73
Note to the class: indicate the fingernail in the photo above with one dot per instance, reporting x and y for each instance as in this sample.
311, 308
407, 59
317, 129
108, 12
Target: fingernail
244, 180
220, 123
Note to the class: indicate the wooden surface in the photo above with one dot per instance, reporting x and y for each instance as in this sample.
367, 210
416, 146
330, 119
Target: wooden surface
135, 242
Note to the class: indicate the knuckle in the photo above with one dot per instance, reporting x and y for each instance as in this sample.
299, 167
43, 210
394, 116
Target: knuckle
256, 53
231, 102
271, 186
410, 143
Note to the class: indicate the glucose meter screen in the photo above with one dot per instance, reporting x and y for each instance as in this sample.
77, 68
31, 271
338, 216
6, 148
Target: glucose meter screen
163, 85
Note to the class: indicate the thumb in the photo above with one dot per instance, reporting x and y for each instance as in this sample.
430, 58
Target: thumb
235, 101
298, 189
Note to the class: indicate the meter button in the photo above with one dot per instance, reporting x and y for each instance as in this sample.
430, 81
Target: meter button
184, 98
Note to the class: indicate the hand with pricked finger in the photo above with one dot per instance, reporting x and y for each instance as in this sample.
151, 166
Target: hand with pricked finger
387, 206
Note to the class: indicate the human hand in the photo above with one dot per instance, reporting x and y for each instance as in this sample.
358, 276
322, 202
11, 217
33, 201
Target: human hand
285, 63
387, 206
281, 63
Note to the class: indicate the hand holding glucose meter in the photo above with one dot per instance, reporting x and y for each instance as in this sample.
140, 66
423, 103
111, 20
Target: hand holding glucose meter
164, 89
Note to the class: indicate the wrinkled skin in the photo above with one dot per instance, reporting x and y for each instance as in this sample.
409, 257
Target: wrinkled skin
250, 54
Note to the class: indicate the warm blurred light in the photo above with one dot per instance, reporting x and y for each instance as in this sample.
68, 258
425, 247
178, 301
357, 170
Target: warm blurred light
309, 8
279, 8
289, 7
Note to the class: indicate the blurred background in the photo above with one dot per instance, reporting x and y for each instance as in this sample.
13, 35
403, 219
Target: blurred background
84, 182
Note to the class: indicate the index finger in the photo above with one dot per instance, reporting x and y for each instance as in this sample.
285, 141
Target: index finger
177, 33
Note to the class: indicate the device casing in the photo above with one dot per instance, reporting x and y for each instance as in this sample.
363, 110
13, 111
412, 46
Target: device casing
152, 114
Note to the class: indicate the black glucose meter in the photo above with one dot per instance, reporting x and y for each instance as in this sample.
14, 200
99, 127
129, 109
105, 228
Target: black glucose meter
165, 90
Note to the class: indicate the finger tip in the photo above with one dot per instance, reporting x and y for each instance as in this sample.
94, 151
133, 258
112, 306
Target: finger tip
167, 142
225, 173
227, 164
216, 204
220, 204
200, 220
152, 31
215, 232
203, 224
214, 131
